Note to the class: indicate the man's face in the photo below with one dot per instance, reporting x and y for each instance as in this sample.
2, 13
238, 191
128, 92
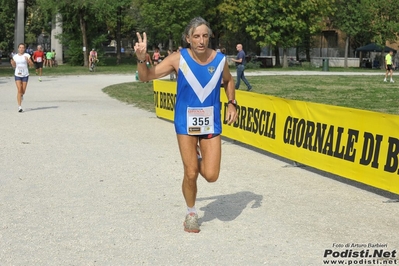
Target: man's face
239, 47
199, 39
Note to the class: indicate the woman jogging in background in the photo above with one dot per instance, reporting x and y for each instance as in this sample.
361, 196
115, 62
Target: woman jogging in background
21, 61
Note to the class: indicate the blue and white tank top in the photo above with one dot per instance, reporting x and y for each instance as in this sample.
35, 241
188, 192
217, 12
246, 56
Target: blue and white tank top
197, 108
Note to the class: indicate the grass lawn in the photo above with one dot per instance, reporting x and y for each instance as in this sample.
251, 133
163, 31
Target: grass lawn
360, 92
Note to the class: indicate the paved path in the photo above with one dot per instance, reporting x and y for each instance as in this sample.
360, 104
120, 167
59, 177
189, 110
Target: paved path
87, 180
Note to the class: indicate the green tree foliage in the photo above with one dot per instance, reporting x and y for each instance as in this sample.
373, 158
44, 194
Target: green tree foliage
33, 23
7, 25
213, 14
117, 16
384, 22
283, 23
353, 19
166, 20
367, 21
37, 22
89, 24
72, 15
231, 29
7, 19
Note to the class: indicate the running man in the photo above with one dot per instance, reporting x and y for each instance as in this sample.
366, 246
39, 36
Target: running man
20, 62
197, 111
38, 58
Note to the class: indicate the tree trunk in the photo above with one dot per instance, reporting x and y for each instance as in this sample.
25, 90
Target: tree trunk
277, 55
360, 59
346, 52
83, 28
285, 61
171, 42
307, 47
118, 36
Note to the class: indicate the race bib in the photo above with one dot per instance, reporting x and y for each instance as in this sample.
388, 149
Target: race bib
200, 120
39, 59
21, 71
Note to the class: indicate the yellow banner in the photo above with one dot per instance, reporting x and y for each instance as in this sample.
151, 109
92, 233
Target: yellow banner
356, 144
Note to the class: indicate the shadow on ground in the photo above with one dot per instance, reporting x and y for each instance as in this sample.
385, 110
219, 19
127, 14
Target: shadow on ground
40, 108
228, 207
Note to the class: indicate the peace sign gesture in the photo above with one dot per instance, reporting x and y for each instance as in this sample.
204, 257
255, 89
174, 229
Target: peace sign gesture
141, 46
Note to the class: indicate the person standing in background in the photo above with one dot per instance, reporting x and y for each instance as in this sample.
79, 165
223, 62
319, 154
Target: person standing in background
240, 64
49, 62
388, 66
53, 57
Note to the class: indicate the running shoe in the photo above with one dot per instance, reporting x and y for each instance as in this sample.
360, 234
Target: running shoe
40, 79
20, 109
191, 223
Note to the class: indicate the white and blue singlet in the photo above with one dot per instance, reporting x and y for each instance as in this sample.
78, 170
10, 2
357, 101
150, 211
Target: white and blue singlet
197, 108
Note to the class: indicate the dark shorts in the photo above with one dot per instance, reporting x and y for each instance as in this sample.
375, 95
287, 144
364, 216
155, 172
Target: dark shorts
38, 65
208, 136
389, 67
23, 79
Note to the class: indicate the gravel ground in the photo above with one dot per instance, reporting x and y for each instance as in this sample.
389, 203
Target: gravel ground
87, 180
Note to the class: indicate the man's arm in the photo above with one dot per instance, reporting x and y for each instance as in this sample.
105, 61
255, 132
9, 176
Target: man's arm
239, 60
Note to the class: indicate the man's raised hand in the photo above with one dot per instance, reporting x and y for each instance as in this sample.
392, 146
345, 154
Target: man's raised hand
141, 46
